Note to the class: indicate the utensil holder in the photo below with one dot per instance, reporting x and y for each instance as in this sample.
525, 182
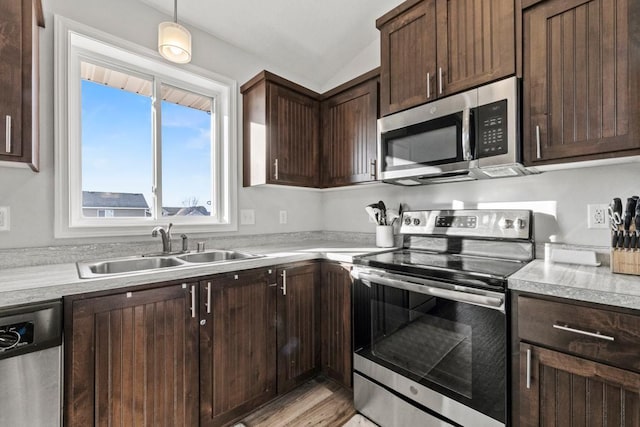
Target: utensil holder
626, 261
384, 236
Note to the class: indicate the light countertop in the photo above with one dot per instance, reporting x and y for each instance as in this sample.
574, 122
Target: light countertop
24, 285
578, 282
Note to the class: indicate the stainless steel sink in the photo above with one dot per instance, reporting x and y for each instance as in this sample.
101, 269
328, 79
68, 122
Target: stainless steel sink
131, 265
214, 256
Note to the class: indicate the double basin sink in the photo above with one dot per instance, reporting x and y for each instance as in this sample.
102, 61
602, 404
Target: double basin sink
130, 265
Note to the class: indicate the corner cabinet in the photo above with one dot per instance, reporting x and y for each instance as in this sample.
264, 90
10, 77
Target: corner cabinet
237, 344
129, 358
581, 61
19, 77
298, 324
433, 48
281, 132
349, 115
336, 322
576, 364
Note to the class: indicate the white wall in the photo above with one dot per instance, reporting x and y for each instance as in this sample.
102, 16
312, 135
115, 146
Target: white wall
30, 195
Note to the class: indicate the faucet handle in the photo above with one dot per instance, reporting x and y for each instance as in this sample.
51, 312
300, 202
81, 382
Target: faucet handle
185, 243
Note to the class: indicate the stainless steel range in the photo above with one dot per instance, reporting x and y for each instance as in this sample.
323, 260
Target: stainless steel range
431, 319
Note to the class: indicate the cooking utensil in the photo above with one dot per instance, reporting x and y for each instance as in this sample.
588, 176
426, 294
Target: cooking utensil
372, 214
383, 213
628, 216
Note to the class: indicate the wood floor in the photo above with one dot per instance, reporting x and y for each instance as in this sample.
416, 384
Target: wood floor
319, 402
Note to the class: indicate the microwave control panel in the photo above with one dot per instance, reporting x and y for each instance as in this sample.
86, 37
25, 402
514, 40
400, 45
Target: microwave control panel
492, 129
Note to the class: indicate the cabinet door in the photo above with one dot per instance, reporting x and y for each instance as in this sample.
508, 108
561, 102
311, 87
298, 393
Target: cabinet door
565, 391
298, 324
475, 43
336, 321
293, 137
408, 58
17, 32
131, 359
349, 135
580, 79
237, 345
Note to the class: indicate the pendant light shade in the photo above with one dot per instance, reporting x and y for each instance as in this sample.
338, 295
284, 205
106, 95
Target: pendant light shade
174, 40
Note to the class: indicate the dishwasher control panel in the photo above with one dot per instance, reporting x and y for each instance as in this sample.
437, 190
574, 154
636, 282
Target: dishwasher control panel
15, 335
31, 327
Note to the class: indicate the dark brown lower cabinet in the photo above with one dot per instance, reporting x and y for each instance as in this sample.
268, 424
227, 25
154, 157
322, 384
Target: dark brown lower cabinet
298, 324
565, 390
336, 321
237, 344
129, 358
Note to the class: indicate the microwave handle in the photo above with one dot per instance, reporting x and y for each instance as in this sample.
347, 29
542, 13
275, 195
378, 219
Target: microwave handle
466, 137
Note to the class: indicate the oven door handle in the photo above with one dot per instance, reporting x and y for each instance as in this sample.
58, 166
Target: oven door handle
466, 135
494, 303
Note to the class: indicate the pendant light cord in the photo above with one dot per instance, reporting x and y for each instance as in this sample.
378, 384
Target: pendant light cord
175, 11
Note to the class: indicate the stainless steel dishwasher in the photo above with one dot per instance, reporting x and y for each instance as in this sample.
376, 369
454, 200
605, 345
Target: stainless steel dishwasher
31, 365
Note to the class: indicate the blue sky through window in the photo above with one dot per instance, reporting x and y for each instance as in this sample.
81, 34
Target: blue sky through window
117, 147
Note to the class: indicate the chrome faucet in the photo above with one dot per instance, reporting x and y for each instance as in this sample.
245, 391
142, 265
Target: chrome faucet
165, 234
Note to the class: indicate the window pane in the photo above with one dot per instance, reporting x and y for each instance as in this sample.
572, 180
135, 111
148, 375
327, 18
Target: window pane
116, 143
186, 153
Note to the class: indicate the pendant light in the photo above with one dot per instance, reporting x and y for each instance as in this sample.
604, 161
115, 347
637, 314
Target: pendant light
174, 40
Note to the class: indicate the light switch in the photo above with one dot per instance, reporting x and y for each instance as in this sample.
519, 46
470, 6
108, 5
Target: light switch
5, 224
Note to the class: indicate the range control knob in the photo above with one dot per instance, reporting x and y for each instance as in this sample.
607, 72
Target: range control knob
407, 221
521, 223
505, 223
416, 221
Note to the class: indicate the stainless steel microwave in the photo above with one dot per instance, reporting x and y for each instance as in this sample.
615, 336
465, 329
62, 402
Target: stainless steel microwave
470, 135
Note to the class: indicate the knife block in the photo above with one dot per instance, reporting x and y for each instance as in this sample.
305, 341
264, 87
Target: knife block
625, 261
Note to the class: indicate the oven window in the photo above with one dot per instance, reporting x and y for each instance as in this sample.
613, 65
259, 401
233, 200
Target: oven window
424, 344
454, 348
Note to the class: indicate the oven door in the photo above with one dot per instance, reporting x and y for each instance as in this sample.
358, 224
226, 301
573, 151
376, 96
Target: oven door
439, 344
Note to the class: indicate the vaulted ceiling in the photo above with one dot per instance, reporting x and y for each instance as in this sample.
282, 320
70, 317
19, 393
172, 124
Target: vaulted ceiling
311, 38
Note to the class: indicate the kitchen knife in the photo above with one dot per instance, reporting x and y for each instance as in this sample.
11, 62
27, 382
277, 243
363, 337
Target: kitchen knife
628, 217
637, 224
615, 214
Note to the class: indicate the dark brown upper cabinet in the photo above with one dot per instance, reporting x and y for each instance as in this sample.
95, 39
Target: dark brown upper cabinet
281, 132
348, 116
581, 61
19, 22
433, 48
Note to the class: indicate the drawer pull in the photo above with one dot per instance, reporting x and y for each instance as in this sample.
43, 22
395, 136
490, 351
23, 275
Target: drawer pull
581, 332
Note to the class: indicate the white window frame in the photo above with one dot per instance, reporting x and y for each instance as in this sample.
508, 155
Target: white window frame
76, 42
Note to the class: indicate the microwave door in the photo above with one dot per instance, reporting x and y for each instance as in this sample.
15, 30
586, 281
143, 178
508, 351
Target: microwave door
442, 145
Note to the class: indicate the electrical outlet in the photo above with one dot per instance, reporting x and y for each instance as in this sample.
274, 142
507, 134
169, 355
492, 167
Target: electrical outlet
5, 224
247, 217
597, 216
283, 217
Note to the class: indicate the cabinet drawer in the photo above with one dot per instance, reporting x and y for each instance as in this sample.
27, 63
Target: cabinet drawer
596, 334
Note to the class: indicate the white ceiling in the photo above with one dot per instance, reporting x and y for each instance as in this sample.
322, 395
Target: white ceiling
311, 38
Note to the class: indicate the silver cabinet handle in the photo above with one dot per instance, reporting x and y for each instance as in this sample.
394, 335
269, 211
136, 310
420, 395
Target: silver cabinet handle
8, 133
275, 165
587, 333
466, 144
538, 153
428, 85
440, 80
372, 168
193, 301
208, 297
284, 283
528, 368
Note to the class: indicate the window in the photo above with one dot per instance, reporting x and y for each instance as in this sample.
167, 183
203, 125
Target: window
139, 141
